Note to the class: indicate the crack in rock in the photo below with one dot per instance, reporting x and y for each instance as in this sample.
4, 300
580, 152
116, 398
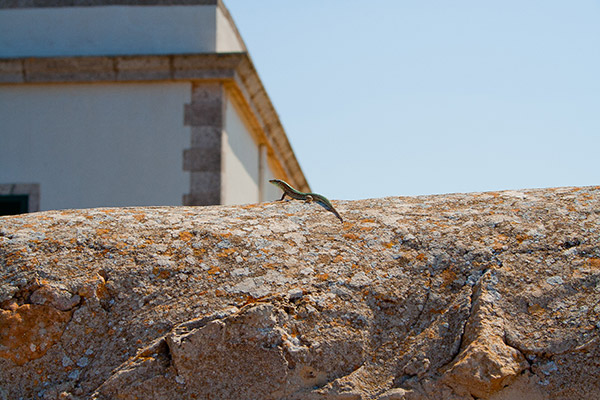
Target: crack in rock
485, 363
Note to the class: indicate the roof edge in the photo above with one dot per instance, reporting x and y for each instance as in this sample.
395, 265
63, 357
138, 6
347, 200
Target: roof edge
97, 3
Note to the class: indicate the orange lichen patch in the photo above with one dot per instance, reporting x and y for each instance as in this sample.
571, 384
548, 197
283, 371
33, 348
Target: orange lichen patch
366, 228
139, 217
199, 253
102, 232
348, 225
594, 262
27, 332
323, 276
225, 253
350, 236
248, 300
499, 242
294, 332
521, 237
448, 276
420, 256
324, 259
435, 310
94, 288
161, 274
368, 220
164, 274
186, 236
338, 259
535, 309
389, 245
502, 238
213, 270
248, 206
13, 256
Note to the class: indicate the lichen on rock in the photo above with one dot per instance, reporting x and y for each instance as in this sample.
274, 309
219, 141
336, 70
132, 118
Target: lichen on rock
482, 295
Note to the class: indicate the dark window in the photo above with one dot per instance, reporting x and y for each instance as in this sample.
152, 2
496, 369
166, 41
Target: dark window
14, 204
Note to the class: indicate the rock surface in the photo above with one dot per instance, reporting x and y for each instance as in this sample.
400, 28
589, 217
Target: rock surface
463, 296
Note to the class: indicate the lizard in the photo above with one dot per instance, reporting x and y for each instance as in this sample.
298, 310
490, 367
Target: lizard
308, 197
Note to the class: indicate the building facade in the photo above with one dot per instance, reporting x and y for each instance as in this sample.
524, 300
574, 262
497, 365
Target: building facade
110, 103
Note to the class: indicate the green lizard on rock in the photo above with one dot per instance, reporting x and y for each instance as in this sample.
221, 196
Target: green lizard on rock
308, 197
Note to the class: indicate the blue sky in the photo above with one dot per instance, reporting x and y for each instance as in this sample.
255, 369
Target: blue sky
395, 97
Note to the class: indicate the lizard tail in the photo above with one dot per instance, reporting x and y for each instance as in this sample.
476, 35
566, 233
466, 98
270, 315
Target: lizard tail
337, 215
329, 207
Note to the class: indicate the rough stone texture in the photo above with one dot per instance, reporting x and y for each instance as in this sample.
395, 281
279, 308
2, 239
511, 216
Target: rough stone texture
204, 158
486, 295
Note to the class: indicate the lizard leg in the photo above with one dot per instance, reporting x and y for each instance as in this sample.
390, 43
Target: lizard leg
282, 197
309, 198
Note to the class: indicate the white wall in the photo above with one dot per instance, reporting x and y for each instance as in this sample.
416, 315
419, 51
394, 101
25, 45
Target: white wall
114, 30
227, 39
241, 163
95, 145
240, 160
272, 192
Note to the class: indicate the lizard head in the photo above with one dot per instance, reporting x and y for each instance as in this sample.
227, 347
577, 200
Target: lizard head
279, 183
283, 185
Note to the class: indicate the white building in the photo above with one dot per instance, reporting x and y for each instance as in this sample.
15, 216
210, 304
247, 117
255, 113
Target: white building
133, 102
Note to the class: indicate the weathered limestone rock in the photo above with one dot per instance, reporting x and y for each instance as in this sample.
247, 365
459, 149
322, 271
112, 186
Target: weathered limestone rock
486, 295
27, 331
486, 363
